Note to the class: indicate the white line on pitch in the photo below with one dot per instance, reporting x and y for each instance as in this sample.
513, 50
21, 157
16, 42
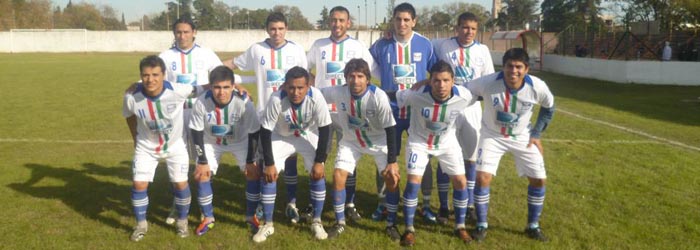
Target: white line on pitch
34, 140
633, 131
603, 142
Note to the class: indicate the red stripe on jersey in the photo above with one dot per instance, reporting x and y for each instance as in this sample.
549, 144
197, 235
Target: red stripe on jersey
152, 113
218, 122
272, 58
357, 131
333, 53
506, 103
182, 63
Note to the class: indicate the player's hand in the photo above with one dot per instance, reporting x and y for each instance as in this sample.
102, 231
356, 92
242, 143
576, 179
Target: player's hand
388, 34
317, 172
420, 84
251, 171
202, 172
392, 176
131, 88
537, 143
242, 91
270, 174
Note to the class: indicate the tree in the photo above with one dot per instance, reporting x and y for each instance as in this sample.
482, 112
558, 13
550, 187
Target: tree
516, 13
323, 22
295, 19
206, 20
109, 18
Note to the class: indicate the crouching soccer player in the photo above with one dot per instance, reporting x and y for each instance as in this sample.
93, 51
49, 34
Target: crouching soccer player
365, 118
509, 98
224, 121
432, 129
153, 113
290, 123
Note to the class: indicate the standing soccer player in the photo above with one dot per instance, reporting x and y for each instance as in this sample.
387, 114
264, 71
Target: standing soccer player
290, 123
329, 56
364, 116
435, 108
402, 61
469, 60
153, 113
223, 121
509, 99
270, 59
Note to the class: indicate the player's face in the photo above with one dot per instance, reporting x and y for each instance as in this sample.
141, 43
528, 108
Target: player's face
222, 91
276, 31
184, 35
441, 85
403, 24
152, 79
357, 82
514, 72
466, 31
296, 89
339, 23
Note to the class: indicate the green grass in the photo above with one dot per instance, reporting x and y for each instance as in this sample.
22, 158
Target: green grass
607, 188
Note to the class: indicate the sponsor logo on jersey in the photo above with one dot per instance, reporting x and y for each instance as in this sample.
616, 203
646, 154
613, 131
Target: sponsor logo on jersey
358, 123
507, 119
162, 126
222, 130
417, 56
190, 79
334, 70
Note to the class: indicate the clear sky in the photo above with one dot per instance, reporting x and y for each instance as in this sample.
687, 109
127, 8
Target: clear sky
135, 9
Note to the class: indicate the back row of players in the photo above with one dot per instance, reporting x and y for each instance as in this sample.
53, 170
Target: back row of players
294, 115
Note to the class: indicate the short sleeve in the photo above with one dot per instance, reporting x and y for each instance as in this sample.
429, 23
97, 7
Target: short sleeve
384, 109
244, 61
128, 106
198, 114
251, 117
271, 112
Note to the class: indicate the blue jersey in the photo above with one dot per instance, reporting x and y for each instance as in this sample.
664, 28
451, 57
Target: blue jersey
402, 65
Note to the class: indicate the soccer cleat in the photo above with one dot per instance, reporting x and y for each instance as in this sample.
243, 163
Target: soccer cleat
393, 233
319, 232
380, 213
352, 214
307, 214
182, 231
259, 212
204, 227
336, 230
139, 233
479, 234
264, 232
471, 215
463, 235
536, 234
292, 212
443, 216
428, 215
172, 216
408, 239
254, 224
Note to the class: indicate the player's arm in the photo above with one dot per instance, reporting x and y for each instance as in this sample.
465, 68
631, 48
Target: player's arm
543, 118
202, 170
391, 172
251, 169
229, 63
324, 134
270, 170
131, 122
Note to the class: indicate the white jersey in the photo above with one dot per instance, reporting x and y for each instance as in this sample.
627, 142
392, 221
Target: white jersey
433, 124
468, 62
270, 66
507, 112
159, 119
225, 125
329, 58
189, 67
303, 120
362, 119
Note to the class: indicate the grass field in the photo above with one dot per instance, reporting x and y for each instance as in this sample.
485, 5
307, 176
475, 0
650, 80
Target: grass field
623, 163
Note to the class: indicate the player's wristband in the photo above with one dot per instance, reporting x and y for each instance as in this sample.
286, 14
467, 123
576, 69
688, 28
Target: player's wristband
543, 119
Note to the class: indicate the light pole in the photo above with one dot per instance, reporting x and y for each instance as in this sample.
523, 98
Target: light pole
247, 19
167, 15
366, 12
359, 18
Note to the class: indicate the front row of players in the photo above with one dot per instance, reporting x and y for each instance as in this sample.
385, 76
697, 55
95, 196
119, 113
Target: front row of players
296, 120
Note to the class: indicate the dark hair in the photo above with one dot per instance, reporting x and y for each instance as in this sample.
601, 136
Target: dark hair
341, 9
357, 65
516, 54
152, 61
275, 17
221, 73
184, 19
467, 16
405, 7
296, 73
441, 66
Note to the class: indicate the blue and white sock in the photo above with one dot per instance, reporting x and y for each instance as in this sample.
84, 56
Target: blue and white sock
350, 187
339, 205
290, 178
535, 203
139, 199
443, 184
392, 206
269, 193
252, 197
410, 202
481, 203
459, 201
183, 198
471, 180
318, 196
205, 198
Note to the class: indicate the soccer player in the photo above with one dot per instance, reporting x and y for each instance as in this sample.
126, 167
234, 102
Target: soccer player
296, 120
364, 115
153, 113
435, 108
270, 59
509, 99
224, 121
469, 60
329, 56
402, 61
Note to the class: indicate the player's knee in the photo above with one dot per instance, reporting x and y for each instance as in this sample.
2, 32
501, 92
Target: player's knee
140, 185
536, 182
180, 185
459, 182
483, 178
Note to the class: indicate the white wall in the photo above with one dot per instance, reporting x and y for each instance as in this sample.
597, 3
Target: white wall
644, 72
